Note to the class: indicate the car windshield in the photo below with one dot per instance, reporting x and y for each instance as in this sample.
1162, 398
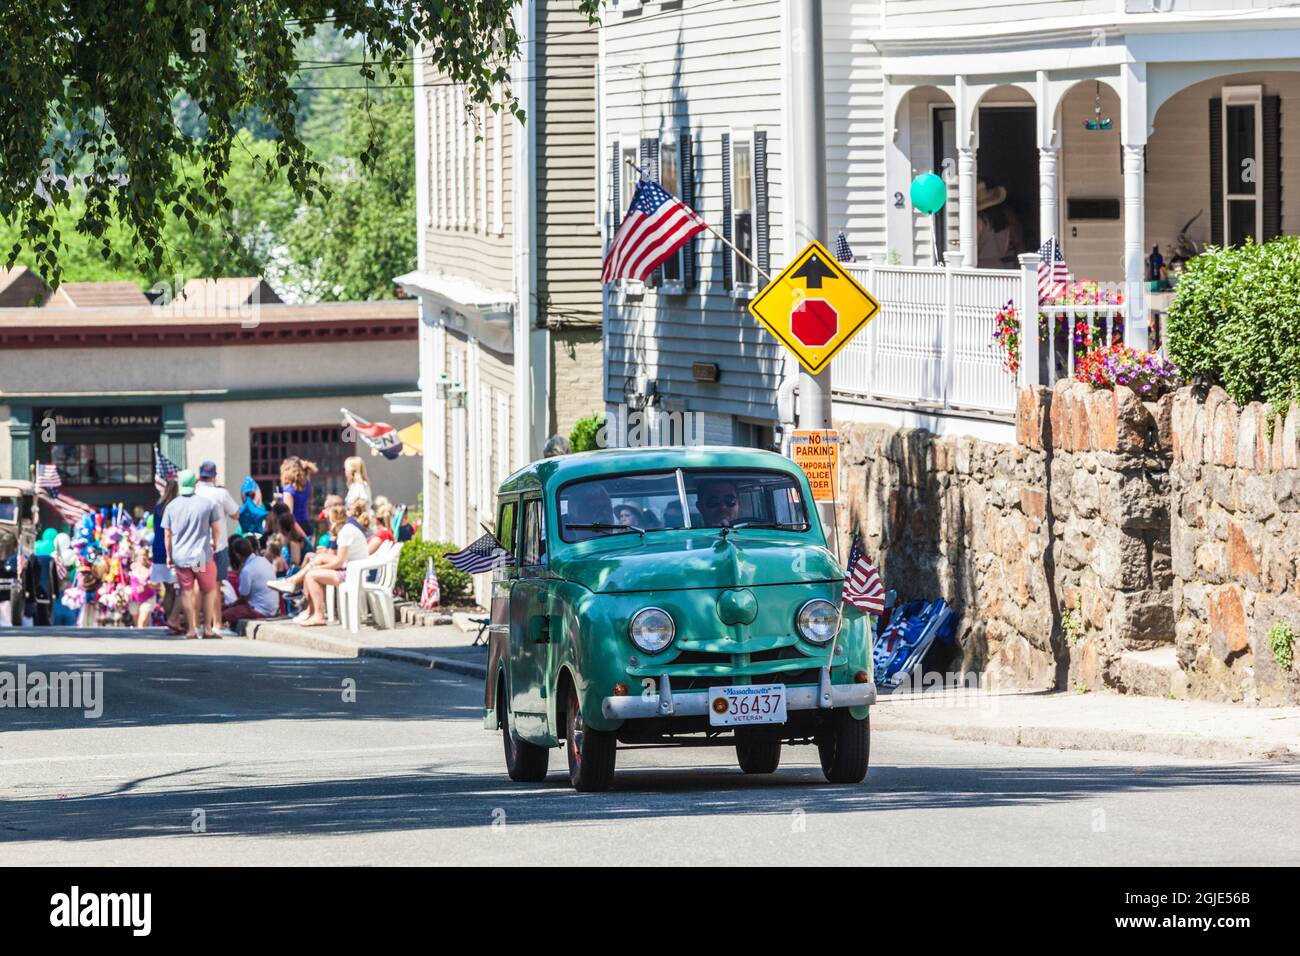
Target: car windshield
9, 509
667, 500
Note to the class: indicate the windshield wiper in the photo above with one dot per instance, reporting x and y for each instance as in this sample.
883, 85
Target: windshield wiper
599, 526
778, 525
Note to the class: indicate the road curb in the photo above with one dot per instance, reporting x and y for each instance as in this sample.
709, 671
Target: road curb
280, 633
1088, 738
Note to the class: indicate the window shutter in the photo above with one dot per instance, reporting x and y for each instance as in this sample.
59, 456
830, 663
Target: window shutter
726, 210
1216, 171
761, 232
1271, 197
615, 190
686, 172
650, 163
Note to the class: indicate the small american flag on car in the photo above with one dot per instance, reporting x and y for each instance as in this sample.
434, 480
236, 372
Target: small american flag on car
657, 224
485, 554
862, 587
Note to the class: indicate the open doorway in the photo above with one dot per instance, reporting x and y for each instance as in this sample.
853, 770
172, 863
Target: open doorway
1007, 168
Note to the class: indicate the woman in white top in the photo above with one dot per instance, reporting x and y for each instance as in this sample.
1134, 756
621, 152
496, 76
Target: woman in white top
354, 470
330, 570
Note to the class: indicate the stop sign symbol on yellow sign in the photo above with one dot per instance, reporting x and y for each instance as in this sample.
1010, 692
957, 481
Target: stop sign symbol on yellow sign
814, 307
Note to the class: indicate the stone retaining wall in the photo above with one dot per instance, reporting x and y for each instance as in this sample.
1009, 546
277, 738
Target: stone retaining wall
1072, 554
1236, 541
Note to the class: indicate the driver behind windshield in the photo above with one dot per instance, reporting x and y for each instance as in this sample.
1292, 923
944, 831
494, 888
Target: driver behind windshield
718, 502
589, 504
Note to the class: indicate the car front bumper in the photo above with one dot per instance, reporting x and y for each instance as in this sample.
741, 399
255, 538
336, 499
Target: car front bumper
695, 703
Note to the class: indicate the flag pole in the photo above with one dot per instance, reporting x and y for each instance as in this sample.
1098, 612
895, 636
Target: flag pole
725, 241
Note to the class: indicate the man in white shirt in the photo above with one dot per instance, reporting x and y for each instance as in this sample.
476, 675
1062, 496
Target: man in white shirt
256, 600
208, 488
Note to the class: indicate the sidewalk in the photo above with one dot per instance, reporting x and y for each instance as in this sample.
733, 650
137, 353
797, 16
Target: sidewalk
1099, 721
444, 646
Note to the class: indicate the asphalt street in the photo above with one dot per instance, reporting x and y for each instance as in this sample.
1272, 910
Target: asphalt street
231, 752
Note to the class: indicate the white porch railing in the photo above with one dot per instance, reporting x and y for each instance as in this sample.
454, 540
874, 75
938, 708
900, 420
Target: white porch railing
932, 344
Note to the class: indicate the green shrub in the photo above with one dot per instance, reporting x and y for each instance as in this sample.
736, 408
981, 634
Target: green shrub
453, 584
586, 433
1280, 642
1235, 321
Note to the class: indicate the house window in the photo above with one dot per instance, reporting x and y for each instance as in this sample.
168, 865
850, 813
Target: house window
104, 463
743, 202
1243, 209
321, 444
670, 179
628, 178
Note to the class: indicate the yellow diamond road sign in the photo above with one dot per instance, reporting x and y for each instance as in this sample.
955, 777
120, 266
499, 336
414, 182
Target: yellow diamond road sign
814, 307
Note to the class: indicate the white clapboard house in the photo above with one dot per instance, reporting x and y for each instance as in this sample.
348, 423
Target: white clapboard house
1117, 126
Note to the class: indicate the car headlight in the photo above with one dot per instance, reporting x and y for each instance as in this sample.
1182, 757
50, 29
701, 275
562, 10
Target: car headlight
818, 621
652, 629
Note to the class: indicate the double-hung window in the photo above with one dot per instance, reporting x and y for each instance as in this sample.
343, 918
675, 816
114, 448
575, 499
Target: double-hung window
1243, 169
670, 177
743, 203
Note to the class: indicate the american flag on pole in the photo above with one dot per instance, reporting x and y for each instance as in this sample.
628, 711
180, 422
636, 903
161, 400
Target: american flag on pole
843, 252
164, 470
70, 509
47, 476
657, 224
1052, 271
485, 554
862, 587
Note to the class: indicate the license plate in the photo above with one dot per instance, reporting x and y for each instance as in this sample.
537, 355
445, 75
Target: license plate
747, 704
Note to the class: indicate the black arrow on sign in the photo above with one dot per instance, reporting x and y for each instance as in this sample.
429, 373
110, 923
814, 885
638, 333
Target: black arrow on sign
814, 271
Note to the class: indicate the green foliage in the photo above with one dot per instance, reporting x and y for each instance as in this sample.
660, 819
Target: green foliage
414, 559
586, 433
91, 90
1281, 643
1071, 626
1235, 320
352, 246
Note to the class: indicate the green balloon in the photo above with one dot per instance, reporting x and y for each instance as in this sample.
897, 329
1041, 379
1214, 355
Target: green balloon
929, 193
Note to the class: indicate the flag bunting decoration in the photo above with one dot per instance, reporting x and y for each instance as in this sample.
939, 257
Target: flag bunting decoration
862, 587
380, 436
485, 554
657, 224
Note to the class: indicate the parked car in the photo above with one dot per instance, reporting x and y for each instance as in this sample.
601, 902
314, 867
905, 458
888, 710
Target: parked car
17, 541
671, 596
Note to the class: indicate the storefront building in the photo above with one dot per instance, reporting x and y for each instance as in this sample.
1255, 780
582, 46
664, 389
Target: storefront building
94, 391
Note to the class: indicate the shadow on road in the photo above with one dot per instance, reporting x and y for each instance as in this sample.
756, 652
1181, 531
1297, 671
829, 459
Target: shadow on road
442, 798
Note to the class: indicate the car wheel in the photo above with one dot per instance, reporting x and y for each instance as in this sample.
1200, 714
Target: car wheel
757, 753
845, 747
525, 762
591, 752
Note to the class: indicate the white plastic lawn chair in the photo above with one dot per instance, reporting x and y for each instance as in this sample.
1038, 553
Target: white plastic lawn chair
349, 594
379, 590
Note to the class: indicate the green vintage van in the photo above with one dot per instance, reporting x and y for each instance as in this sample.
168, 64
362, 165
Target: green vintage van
671, 596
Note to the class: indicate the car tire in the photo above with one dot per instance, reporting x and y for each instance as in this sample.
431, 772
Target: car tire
756, 753
525, 762
591, 753
845, 747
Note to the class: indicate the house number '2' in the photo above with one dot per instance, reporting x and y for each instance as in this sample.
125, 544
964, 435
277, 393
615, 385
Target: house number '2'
898, 200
